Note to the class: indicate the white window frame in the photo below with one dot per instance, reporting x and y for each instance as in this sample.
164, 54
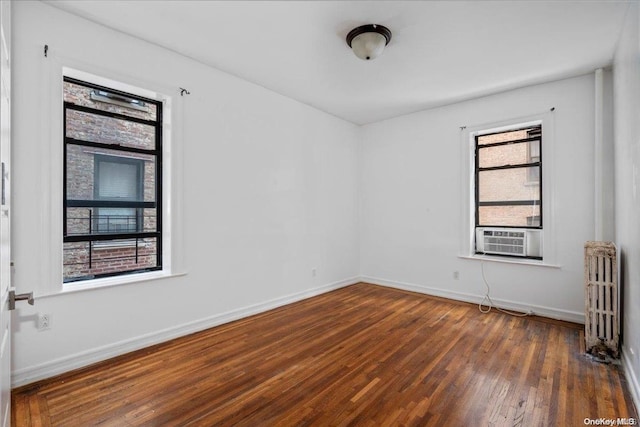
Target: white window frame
467, 190
50, 165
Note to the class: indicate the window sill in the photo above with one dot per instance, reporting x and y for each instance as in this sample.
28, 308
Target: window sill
108, 282
505, 260
116, 281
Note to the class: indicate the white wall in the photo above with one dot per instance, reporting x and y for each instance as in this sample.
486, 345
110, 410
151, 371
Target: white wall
273, 188
411, 200
627, 188
270, 192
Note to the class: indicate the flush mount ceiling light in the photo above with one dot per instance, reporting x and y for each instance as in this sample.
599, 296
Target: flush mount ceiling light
368, 41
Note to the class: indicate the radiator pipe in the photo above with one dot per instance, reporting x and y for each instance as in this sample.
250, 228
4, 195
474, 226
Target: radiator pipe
599, 156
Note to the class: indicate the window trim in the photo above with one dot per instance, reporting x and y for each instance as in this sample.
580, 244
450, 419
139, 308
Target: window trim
157, 152
47, 280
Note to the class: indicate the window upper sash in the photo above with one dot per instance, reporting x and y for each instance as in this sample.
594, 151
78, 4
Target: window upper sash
508, 188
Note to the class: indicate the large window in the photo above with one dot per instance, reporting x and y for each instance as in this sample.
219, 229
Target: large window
112, 217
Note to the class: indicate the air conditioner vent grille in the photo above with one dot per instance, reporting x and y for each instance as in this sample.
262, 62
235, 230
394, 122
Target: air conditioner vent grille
505, 242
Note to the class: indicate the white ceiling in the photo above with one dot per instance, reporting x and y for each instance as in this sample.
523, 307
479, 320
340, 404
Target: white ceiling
441, 51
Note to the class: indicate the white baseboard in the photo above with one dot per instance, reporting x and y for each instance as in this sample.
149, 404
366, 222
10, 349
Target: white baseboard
632, 379
68, 363
553, 313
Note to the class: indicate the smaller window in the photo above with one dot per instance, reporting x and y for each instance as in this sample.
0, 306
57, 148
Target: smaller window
508, 193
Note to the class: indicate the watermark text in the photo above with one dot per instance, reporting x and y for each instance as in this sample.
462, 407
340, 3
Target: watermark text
610, 422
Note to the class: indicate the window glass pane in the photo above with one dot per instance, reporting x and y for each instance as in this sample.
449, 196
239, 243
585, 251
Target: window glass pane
512, 154
508, 185
83, 184
108, 101
107, 130
502, 137
86, 221
517, 216
83, 260
116, 220
509, 135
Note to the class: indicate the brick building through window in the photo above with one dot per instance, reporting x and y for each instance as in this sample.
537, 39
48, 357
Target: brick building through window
508, 187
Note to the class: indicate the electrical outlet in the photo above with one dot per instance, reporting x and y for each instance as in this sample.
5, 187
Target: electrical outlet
44, 322
313, 272
456, 275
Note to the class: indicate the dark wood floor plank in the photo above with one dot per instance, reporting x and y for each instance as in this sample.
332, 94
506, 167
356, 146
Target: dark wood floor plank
362, 355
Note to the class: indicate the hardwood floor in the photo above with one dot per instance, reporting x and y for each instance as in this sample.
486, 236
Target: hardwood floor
361, 355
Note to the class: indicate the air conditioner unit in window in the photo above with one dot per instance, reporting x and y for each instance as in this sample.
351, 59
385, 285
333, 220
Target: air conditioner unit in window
509, 241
